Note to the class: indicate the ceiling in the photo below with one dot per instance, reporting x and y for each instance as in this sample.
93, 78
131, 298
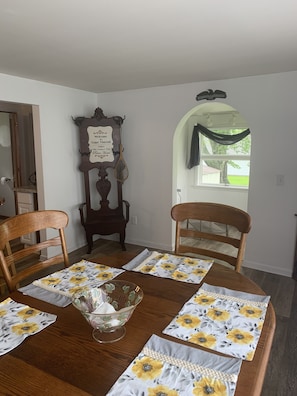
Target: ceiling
115, 45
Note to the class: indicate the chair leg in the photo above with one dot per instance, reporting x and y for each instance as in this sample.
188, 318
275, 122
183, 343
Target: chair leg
2, 288
122, 240
89, 242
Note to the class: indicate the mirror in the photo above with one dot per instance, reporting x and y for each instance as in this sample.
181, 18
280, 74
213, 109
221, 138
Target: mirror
4, 130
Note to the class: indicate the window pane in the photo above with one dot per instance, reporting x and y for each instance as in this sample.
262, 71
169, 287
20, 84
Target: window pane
231, 172
225, 165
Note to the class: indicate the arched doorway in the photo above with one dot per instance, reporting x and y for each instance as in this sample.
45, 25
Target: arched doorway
185, 181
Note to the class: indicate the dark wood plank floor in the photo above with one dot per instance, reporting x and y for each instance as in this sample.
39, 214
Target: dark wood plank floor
281, 376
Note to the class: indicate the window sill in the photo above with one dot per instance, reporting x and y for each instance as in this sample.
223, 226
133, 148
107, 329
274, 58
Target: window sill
220, 187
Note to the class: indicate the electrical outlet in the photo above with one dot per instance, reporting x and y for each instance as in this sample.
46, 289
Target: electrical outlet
280, 180
134, 220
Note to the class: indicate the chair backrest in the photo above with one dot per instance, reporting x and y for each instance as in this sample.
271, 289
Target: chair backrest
12, 269
20, 225
194, 236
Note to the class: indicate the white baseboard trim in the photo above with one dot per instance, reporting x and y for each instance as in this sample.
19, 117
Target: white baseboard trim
152, 245
267, 268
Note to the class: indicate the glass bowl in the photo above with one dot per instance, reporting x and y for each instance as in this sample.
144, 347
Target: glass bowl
107, 308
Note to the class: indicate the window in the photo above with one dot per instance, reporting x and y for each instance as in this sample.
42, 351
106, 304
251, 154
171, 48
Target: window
224, 165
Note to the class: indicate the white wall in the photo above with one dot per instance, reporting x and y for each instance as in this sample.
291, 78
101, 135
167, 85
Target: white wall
268, 103
58, 143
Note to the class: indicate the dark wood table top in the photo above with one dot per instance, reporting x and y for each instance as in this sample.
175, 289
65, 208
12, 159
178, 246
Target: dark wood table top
64, 359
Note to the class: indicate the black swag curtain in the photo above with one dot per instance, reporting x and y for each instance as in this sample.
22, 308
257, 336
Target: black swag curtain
222, 139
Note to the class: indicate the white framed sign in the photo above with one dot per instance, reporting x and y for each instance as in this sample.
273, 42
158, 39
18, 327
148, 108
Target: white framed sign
100, 144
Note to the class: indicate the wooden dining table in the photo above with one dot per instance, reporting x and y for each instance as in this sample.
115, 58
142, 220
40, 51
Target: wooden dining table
64, 359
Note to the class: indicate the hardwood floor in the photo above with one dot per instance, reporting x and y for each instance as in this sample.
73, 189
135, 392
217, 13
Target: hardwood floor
281, 375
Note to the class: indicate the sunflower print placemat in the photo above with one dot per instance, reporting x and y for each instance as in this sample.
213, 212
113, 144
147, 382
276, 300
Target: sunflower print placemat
221, 319
164, 367
164, 265
18, 321
77, 276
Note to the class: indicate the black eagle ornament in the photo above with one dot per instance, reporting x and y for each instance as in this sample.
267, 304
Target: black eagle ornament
211, 95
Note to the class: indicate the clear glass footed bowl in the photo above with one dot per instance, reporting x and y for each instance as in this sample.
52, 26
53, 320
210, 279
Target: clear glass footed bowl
107, 308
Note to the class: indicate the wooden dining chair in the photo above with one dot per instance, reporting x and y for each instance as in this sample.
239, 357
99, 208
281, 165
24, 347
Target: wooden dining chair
211, 230
18, 265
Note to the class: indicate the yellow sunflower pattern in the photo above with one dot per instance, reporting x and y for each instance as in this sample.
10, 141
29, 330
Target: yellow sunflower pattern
160, 369
209, 386
78, 276
78, 267
218, 314
146, 269
251, 312
2, 312
183, 269
239, 336
222, 322
28, 312
204, 299
147, 368
203, 339
25, 328
19, 321
162, 390
50, 281
189, 321
155, 378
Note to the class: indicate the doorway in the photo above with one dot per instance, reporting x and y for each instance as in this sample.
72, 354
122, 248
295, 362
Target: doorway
17, 159
7, 196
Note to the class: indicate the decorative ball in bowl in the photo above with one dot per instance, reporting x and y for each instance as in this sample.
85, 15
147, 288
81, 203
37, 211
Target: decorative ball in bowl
107, 308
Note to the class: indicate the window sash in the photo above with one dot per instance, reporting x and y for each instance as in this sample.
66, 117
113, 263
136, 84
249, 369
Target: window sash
199, 170
233, 157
